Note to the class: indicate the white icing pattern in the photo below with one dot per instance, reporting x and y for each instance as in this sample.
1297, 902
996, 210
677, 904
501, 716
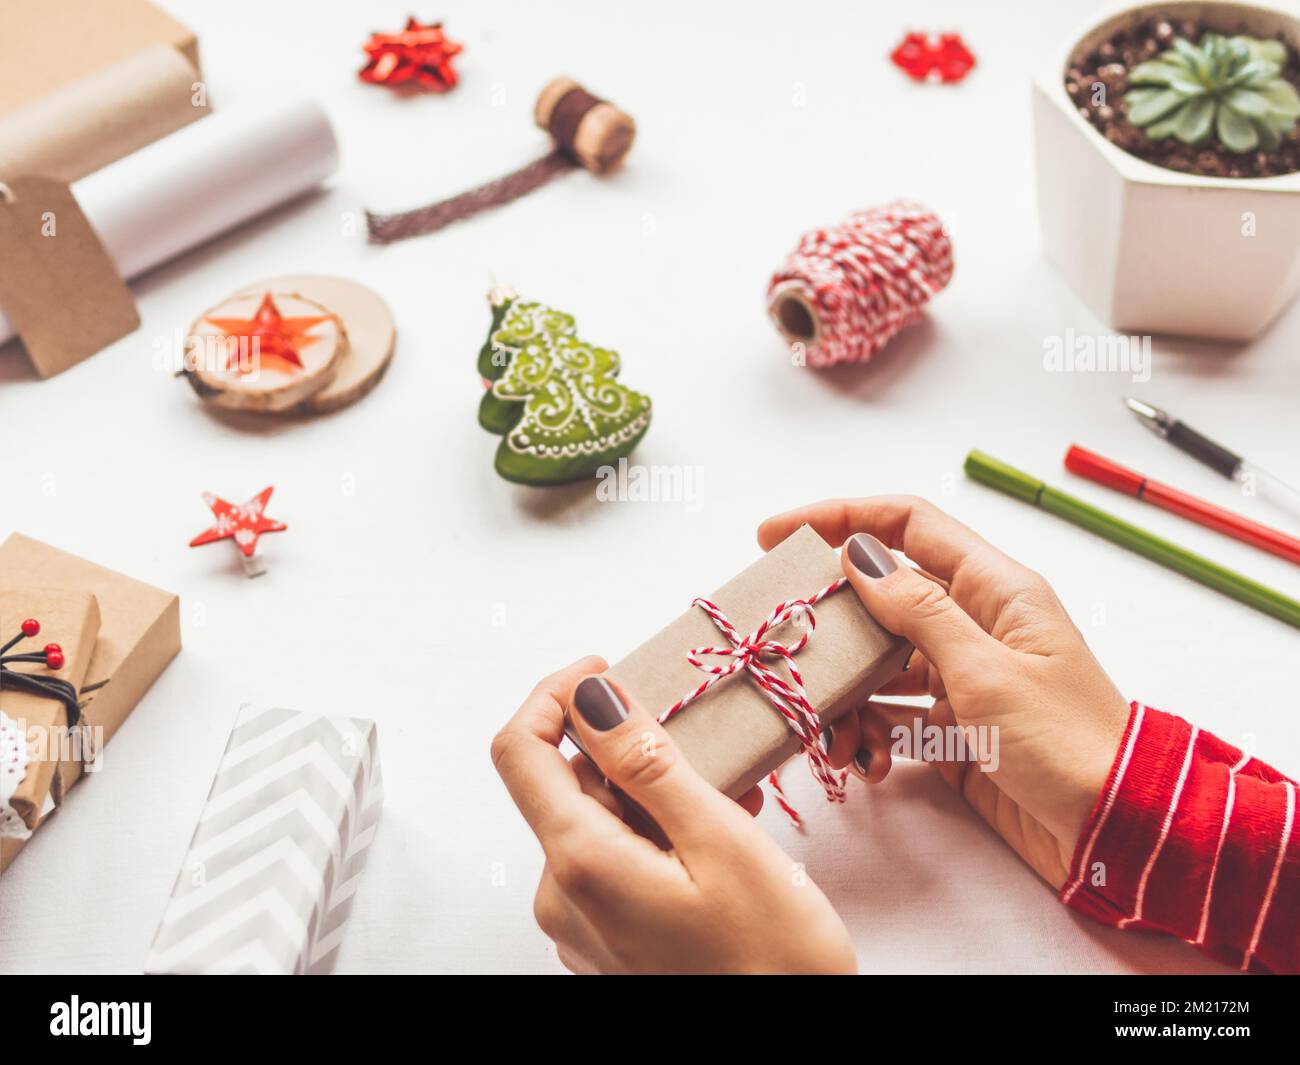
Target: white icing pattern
575, 407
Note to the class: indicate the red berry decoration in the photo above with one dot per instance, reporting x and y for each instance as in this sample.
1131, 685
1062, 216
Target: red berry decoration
926, 58
35, 683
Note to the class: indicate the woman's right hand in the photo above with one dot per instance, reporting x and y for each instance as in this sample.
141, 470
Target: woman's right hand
996, 650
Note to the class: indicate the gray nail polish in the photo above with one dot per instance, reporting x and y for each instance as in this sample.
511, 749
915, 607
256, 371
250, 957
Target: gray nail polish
870, 556
599, 704
863, 761
828, 737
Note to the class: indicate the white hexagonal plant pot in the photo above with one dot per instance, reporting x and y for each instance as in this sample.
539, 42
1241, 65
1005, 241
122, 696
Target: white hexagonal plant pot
1152, 250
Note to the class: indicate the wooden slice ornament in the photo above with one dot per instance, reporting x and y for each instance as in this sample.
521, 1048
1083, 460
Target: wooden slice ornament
264, 351
301, 344
368, 325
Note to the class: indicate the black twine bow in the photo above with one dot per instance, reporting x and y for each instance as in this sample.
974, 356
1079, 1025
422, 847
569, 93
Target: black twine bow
50, 687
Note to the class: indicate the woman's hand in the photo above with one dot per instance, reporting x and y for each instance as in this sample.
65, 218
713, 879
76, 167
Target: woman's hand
724, 898
996, 650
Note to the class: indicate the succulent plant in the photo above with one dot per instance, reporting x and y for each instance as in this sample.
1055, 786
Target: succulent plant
1228, 87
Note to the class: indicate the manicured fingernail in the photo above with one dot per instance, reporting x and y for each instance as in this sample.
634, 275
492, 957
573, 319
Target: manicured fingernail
870, 556
828, 737
599, 704
862, 763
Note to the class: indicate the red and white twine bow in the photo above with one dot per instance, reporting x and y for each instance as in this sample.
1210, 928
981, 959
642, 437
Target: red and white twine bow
788, 697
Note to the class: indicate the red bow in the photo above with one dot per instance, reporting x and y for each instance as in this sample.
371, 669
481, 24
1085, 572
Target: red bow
926, 58
418, 56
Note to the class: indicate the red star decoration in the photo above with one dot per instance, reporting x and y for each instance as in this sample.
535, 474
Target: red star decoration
417, 57
926, 58
243, 524
274, 338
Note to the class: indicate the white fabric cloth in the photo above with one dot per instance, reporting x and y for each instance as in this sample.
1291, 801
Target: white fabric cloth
416, 588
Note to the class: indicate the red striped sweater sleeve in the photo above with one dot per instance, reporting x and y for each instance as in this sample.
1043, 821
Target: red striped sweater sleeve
1192, 837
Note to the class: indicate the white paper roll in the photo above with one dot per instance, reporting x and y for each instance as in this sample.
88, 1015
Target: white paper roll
203, 180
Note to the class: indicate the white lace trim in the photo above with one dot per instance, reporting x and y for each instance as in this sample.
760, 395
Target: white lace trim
14, 757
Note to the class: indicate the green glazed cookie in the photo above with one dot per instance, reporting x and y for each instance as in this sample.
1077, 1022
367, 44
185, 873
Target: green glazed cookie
553, 397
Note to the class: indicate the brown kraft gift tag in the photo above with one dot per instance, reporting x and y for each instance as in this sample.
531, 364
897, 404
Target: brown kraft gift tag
58, 286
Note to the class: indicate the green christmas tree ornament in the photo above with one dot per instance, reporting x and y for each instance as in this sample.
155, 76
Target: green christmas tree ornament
553, 397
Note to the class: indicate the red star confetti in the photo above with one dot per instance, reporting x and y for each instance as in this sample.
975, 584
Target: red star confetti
243, 524
274, 338
927, 58
419, 57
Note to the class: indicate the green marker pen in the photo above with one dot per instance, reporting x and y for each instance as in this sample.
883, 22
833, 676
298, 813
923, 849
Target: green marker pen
988, 470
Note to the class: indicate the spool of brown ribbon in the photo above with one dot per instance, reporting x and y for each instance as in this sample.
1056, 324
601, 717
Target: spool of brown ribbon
587, 132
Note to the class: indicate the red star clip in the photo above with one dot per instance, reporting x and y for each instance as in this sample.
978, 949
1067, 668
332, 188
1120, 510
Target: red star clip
417, 57
274, 338
926, 58
243, 524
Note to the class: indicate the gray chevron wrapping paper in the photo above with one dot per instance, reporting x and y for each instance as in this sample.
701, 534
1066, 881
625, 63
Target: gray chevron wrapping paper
268, 881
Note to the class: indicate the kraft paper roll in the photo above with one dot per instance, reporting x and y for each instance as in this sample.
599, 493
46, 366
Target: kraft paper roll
203, 180
101, 118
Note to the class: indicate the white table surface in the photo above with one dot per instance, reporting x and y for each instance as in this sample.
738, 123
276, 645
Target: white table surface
405, 551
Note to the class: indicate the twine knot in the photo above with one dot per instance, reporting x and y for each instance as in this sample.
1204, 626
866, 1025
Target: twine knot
788, 697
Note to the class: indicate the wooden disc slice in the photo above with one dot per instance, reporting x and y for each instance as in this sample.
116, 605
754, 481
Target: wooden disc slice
369, 328
232, 360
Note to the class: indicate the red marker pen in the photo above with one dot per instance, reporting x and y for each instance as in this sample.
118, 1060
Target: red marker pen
1095, 468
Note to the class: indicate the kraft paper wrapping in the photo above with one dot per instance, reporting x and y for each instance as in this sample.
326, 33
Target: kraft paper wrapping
46, 45
70, 619
268, 881
732, 735
139, 634
201, 181
110, 113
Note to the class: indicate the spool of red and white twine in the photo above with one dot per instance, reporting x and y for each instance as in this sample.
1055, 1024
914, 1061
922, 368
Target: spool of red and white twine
846, 290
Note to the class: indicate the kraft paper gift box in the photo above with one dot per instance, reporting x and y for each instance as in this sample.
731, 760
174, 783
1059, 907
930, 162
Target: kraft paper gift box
48, 44
267, 883
732, 734
115, 631
126, 76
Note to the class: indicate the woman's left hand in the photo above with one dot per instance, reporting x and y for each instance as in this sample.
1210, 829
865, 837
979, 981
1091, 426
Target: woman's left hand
724, 898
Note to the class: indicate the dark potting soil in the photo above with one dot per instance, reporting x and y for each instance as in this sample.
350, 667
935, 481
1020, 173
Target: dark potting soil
1109, 64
